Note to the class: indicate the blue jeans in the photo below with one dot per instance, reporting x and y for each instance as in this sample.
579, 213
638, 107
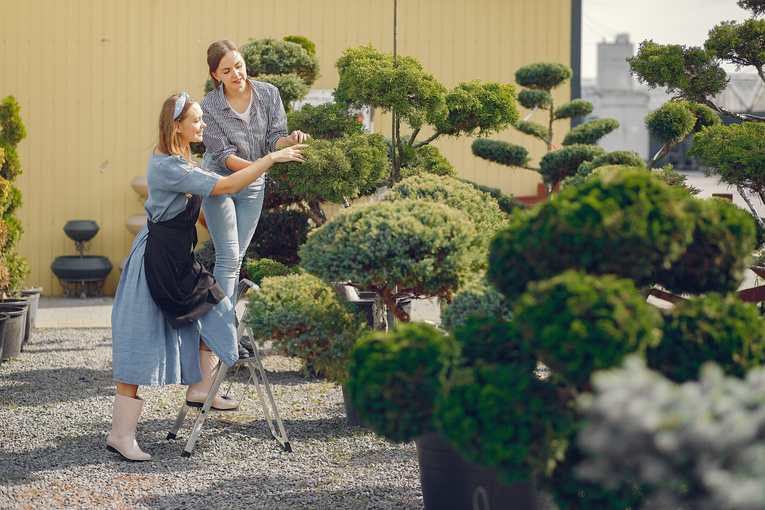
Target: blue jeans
231, 220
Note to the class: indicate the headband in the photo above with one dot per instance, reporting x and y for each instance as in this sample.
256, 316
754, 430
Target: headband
179, 104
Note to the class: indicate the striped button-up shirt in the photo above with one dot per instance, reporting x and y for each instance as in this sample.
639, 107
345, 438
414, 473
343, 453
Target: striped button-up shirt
226, 134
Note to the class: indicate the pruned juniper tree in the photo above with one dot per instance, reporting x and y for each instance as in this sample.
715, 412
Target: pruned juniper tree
695, 74
538, 80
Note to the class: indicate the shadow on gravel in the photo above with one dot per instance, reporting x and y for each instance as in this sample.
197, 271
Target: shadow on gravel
21, 387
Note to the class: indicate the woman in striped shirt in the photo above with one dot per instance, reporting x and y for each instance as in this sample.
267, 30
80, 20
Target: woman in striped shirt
245, 122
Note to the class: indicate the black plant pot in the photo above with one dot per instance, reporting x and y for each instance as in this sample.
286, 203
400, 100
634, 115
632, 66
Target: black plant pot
365, 305
450, 482
354, 417
35, 294
13, 334
86, 268
81, 230
26, 303
3, 320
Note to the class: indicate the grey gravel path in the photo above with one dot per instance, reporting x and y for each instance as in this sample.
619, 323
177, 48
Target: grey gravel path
55, 414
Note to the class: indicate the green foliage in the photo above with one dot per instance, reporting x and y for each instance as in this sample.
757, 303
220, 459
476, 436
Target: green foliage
558, 164
705, 116
625, 223
533, 129
13, 269
738, 43
626, 158
291, 87
478, 108
574, 108
504, 417
5, 196
577, 323
476, 299
336, 169
302, 41
419, 248
279, 236
590, 132
724, 237
756, 6
15, 231
306, 318
535, 99
504, 153
13, 200
689, 73
543, 75
737, 152
715, 328
205, 255
492, 340
670, 123
264, 268
18, 270
327, 121
396, 377
273, 57
369, 78
278, 193
672, 178
507, 203
12, 132
426, 159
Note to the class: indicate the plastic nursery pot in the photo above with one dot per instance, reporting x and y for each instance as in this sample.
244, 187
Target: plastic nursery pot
13, 333
35, 294
26, 303
3, 320
354, 417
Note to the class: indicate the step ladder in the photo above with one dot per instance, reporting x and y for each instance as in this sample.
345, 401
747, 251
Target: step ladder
255, 366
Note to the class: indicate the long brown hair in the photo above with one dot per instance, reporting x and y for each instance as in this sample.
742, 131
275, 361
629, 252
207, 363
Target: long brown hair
216, 52
169, 139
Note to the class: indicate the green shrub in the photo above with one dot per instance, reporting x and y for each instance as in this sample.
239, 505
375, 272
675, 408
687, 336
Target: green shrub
336, 170
590, 132
279, 235
577, 323
492, 340
715, 328
327, 121
478, 298
291, 87
558, 164
278, 193
507, 203
419, 248
574, 108
306, 318
627, 158
535, 99
533, 129
274, 57
264, 268
672, 178
396, 377
423, 160
670, 123
12, 132
302, 41
625, 223
205, 255
497, 151
724, 237
475, 108
502, 416
543, 75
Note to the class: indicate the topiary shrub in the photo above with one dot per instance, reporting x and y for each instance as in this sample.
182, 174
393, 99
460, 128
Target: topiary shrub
264, 268
559, 164
306, 318
394, 249
279, 235
507, 203
502, 416
724, 237
577, 323
396, 377
327, 121
590, 132
497, 151
492, 340
626, 158
277, 57
423, 160
478, 298
715, 328
302, 41
625, 223
543, 75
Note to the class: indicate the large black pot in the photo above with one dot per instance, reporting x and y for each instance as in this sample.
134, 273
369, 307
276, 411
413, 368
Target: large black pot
86, 268
35, 294
450, 482
3, 319
13, 334
81, 230
26, 303
353, 415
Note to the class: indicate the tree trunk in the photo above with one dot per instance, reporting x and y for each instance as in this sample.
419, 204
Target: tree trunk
379, 313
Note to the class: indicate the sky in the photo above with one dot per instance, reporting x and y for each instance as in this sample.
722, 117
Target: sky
665, 21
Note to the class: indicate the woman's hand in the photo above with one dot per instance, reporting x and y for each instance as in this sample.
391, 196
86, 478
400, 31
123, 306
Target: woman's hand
297, 137
291, 153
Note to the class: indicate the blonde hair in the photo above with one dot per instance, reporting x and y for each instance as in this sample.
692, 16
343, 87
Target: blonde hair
215, 54
169, 139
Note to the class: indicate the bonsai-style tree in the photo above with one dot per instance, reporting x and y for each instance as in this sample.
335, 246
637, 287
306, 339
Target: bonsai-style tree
539, 80
401, 86
13, 268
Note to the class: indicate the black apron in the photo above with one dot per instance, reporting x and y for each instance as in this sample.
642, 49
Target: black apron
182, 289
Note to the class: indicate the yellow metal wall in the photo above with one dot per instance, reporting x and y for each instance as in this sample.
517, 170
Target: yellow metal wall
90, 76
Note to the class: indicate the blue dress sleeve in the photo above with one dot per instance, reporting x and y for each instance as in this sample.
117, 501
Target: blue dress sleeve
179, 176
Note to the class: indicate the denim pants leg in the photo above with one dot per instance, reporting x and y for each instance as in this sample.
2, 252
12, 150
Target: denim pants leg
231, 220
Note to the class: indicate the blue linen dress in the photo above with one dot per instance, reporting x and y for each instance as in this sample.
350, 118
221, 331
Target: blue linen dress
146, 349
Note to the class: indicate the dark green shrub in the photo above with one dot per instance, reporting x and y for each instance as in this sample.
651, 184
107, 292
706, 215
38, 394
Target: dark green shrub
205, 255
625, 223
306, 318
278, 193
328, 121
627, 158
672, 178
478, 298
396, 377
264, 268
279, 235
574, 108
423, 160
500, 152
504, 417
291, 87
508, 203
559, 164
670, 123
590, 132
491, 340
724, 237
577, 323
394, 249
278, 57
543, 75
302, 41
535, 99
533, 129
336, 170
715, 328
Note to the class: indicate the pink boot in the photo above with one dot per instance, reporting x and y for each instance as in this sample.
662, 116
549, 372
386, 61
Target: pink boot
197, 393
124, 420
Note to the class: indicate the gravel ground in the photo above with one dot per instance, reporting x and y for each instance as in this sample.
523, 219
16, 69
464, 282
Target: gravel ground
55, 413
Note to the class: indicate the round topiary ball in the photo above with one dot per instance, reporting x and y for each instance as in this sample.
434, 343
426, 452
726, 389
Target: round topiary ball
479, 298
396, 377
715, 328
493, 340
578, 323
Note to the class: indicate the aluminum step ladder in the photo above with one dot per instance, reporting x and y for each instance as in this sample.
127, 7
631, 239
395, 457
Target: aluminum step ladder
252, 363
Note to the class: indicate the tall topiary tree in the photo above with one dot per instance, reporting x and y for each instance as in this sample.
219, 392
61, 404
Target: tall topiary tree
539, 79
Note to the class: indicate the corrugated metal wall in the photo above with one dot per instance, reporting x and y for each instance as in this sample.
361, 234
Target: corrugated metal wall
90, 76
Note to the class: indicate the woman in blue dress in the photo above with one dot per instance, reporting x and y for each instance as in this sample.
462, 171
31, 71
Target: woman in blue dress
171, 321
